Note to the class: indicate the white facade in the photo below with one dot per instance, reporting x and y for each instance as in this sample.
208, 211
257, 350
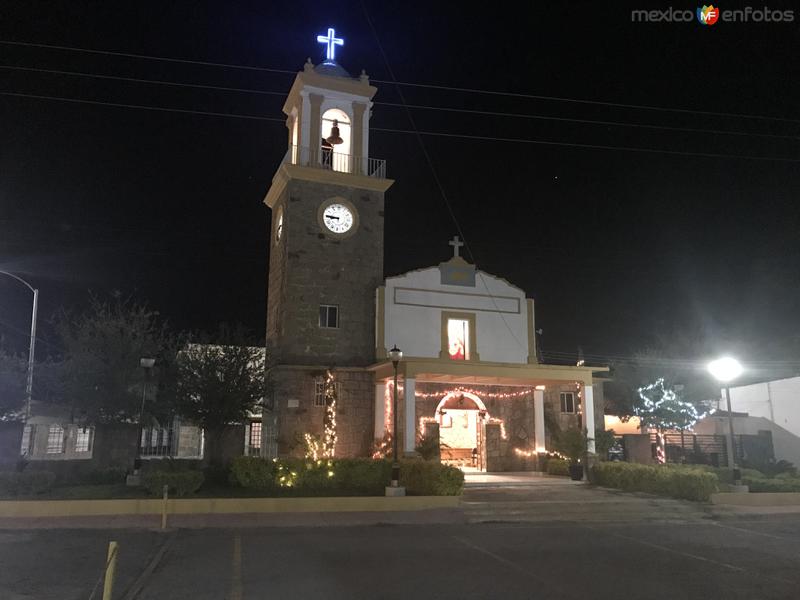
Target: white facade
416, 303
777, 401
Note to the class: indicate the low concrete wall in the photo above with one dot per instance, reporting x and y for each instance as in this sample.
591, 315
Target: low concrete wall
194, 506
757, 499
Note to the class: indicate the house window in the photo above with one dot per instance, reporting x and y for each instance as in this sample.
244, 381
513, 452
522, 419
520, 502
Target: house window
319, 391
255, 435
83, 438
568, 402
458, 339
27, 440
55, 439
329, 316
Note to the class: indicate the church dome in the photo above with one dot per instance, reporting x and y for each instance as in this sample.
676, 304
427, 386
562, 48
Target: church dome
332, 69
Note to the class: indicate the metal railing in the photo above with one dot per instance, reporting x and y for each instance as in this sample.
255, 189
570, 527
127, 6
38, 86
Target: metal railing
696, 448
327, 158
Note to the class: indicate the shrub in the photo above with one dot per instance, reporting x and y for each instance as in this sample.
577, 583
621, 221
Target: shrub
25, 483
666, 480
363, 476
106, 476
425, 478
779, 484
557, 466
571, 443
253, 472
179, 483
428, 447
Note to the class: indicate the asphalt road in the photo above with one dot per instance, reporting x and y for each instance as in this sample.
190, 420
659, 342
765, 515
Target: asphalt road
709, 560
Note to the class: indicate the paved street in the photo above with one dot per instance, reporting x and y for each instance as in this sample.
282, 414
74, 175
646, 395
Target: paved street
703, 560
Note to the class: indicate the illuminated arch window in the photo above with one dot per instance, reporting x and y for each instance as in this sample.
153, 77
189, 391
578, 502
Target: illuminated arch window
336, 156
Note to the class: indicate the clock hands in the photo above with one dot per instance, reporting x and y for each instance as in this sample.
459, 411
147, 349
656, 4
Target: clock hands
331, 217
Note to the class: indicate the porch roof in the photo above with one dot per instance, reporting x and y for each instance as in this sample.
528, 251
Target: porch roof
433, 370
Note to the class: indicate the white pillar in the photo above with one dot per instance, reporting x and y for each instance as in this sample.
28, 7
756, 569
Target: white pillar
538, 420
588, 416
410, 407
380, 410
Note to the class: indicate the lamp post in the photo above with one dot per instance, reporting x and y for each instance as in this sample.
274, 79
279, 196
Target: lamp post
725, 370
32, 347
396, 356
146, 364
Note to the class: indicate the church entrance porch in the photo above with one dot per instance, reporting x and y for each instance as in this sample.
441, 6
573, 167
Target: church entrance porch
486, 417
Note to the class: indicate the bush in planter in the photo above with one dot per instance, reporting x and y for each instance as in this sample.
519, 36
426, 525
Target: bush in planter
179, 483
425, 478
25, 483
557, 466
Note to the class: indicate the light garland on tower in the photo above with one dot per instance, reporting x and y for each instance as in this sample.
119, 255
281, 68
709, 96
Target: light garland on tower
329, 425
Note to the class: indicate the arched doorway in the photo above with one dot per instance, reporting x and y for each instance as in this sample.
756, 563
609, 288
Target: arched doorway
461, 417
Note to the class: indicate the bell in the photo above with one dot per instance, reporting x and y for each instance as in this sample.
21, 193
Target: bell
334, 138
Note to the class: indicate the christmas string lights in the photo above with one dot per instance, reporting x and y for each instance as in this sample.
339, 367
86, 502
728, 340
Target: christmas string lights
479, 393
329, 425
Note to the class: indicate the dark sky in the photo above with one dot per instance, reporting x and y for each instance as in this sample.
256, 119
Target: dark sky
619, 249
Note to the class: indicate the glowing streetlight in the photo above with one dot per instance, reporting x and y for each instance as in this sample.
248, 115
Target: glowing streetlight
725, 370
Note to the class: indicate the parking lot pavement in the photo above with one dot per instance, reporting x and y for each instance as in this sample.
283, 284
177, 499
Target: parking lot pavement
692, 560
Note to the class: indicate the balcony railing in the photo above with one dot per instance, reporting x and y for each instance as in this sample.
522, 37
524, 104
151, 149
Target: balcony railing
325, 158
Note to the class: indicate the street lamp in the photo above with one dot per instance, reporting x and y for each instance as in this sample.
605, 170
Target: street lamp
725, 370
396, 356
32, 347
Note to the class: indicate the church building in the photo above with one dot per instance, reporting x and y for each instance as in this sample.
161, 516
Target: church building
470, 375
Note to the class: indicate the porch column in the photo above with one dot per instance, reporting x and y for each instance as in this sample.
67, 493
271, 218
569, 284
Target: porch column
588, 416
380, 410
538, 420
410, 406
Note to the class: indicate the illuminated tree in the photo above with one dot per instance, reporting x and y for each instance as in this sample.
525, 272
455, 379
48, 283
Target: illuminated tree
662, 407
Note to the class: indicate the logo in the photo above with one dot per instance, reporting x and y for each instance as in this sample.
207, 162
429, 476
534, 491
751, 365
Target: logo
707, 15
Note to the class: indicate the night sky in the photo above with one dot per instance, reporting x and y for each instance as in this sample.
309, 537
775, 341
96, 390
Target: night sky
621, 250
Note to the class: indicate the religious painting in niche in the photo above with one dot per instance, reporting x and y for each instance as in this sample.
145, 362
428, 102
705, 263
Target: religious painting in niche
458, 339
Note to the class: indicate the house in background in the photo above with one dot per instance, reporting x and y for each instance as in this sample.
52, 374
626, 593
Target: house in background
777, 401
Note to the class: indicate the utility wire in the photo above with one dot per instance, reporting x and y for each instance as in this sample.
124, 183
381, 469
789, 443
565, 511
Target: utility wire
414, 132
410, 84
400, 105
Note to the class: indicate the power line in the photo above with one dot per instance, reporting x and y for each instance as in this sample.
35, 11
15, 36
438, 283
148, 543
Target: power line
410, 84
400, 105
413, 132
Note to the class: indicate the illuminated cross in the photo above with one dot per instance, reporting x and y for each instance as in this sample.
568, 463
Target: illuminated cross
331, 41
456, 244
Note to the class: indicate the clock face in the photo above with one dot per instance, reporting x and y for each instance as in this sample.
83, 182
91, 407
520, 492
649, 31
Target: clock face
279, 227
337, 218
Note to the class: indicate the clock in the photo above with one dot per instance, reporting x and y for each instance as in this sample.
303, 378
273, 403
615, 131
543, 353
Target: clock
338, 217
279, 226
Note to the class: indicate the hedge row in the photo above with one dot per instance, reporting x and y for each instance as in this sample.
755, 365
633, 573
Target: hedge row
179, 483
557, 466
25, 483
345, 476
666, 480
778, 484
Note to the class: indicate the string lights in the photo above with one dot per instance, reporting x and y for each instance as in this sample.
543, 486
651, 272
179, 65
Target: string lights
479, 393
329, 424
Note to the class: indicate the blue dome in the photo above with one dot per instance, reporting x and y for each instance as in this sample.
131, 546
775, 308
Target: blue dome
332, 69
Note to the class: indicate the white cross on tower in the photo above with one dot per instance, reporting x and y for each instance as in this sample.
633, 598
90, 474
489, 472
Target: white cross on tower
332, 41
456, 244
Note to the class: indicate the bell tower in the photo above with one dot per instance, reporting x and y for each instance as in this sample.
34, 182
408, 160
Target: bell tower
326, 249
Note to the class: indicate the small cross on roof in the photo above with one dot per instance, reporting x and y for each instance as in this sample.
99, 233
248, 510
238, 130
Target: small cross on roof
456, 244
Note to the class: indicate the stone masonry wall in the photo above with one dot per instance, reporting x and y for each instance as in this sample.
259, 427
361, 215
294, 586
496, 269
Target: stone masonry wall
354, 417
309, 268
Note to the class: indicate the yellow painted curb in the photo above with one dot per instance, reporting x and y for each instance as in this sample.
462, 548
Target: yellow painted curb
194, 506
757, 499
